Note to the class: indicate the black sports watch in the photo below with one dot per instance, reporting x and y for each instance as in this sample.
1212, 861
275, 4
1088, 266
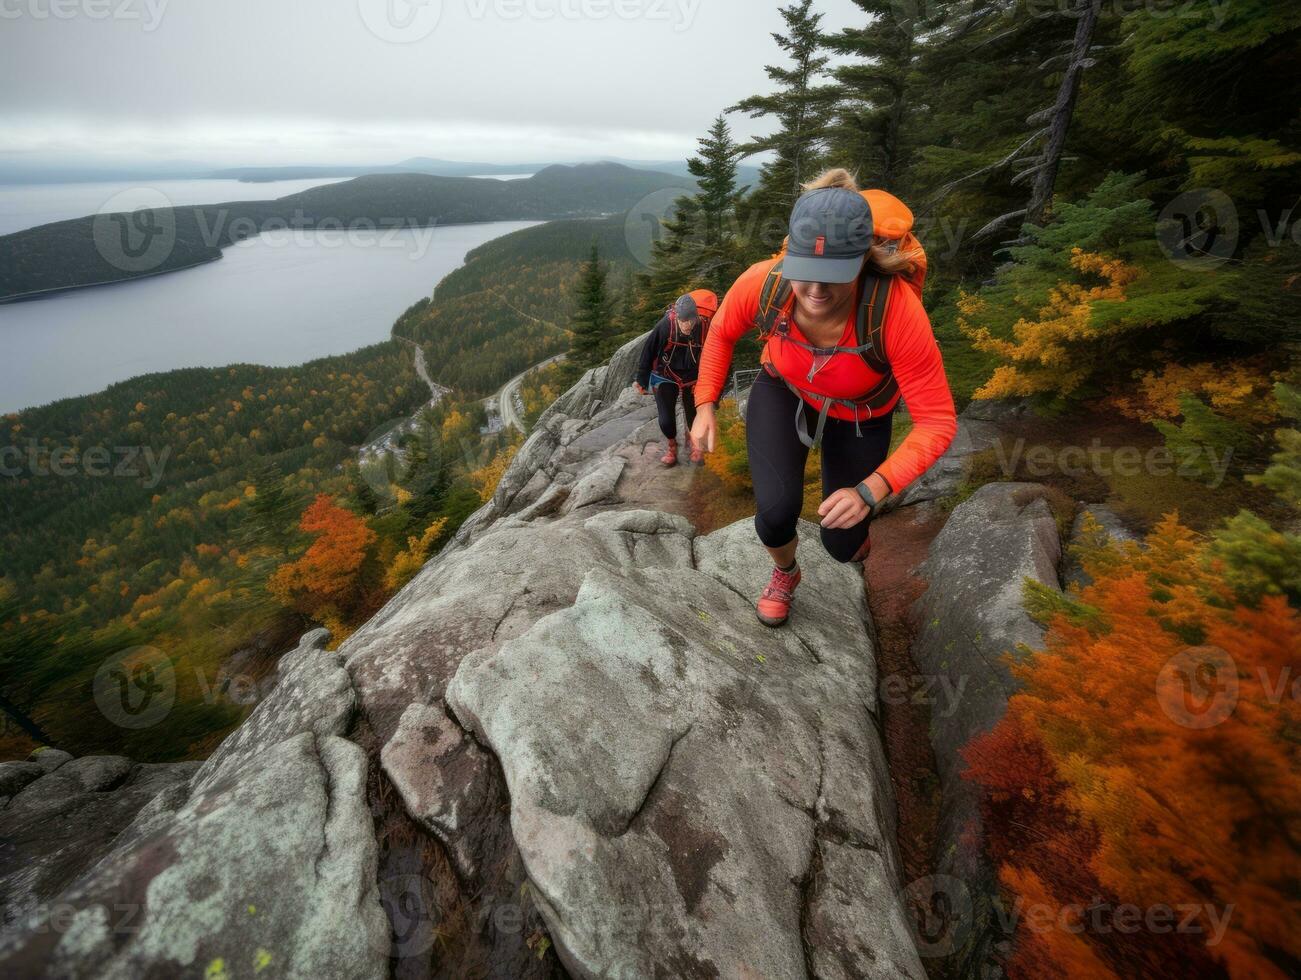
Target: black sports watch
868, 496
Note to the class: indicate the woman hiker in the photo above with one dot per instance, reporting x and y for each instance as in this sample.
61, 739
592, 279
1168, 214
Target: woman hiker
670, 360
843, 344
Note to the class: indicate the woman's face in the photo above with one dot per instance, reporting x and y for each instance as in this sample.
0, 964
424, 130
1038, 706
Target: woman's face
823, 299
686, 326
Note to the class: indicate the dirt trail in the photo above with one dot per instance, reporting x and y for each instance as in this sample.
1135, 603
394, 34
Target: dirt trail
899, 543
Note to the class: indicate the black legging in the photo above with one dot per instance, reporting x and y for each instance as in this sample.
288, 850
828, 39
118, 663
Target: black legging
777, 459
666, 400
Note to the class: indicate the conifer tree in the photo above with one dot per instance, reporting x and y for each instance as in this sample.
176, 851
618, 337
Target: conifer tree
875, 89
271, 513
592, 320
717, 261
801, 107
673, 262
700, 247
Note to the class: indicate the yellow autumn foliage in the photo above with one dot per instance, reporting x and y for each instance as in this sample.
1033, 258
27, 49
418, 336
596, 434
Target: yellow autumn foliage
1239, 390
407, 563
486, 477
1044, 354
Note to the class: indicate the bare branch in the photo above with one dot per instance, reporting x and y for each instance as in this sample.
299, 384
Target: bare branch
1002, 164
1002, 221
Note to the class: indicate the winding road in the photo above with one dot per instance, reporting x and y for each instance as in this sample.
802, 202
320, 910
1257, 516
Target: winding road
436, 391
505, 400
504, 403
387, 443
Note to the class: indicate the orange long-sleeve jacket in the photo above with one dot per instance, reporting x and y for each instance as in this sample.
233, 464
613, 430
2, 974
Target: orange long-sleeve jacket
910, 348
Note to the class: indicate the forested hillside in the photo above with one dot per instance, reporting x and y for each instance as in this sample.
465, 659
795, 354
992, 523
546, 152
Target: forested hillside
109, 248
510, 305
235, 511
168, 539
1106, 196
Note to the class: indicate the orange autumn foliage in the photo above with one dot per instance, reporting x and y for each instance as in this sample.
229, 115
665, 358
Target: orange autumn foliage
1151, 758
327, 579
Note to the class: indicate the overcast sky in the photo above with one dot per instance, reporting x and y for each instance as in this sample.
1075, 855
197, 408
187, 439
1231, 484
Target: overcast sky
363, 81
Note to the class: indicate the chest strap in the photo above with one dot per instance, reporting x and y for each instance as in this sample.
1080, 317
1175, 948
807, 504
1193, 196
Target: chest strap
872, 404
776, 299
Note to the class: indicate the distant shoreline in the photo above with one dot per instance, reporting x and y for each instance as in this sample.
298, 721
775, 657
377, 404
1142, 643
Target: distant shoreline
39, 294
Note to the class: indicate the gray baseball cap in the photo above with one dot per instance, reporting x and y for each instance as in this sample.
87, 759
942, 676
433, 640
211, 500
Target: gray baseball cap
830, 232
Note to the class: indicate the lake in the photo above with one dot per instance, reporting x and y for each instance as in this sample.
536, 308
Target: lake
28, 205
280, 299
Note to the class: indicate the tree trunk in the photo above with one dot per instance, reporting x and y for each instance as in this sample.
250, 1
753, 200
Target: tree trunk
893, 150
22, 721
1063, 110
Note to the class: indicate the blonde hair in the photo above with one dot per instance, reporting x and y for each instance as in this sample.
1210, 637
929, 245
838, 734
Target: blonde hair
835, 177
885, 259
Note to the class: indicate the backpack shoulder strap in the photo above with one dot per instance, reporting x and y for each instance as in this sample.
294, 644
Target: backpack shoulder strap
869, 330
773, 298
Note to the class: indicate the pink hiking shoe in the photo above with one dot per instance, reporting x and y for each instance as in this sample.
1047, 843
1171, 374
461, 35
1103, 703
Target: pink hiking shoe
774, 605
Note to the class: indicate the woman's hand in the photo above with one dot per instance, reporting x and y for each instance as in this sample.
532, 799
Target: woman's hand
704, 431
636, 385
844, 508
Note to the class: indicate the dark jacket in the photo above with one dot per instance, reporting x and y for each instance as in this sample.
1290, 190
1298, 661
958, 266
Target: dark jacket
681, 363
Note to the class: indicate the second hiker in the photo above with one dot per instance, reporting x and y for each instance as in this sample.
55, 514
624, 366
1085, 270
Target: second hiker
670, 362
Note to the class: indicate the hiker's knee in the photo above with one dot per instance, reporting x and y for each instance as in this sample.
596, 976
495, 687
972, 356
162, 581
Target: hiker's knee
666, 406
844, 543
776, 527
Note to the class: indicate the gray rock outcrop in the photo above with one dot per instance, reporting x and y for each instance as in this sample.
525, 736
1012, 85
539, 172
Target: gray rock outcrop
566, 747
970, 616
60, 820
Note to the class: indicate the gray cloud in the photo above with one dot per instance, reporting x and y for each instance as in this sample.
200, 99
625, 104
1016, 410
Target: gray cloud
283, 81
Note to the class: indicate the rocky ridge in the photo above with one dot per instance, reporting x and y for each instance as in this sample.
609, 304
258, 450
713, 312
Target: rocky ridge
565, 748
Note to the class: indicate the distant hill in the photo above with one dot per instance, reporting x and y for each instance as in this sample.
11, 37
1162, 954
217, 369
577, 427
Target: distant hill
58, 171
413, 165
68, 254
454, 168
